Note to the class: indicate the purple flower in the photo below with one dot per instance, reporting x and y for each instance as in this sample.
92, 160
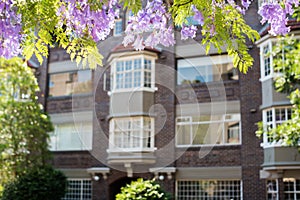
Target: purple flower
188, 32
198, 15
10, 27
274, 14
154, 19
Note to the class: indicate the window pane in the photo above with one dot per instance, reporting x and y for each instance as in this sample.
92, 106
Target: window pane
129, 132
206, 129
205, 69
137, 64
147, 64
68, 83
118, 27
71, 137
208, 189
78, 190
184, 135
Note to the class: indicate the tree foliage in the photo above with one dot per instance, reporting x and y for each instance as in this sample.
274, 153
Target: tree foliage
287, 80
142, 189
43, 183
23, 126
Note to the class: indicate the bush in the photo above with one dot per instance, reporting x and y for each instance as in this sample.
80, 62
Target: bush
40, 184
142, 189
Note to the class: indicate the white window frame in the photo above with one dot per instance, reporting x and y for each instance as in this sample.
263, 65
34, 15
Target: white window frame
78, 127
81, 188
270, 190
269, 120
142, 70
295, 191
191, 123
209, 63
116, 31
199, 180
267, 44
112, 134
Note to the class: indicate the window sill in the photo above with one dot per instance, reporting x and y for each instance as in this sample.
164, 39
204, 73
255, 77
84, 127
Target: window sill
69, 150
143, 89
131, 150
207, 145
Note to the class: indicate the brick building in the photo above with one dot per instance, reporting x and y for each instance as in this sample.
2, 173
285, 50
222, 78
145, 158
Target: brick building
175, 114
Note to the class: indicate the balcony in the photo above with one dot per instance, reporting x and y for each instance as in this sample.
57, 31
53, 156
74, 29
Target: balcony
279, 157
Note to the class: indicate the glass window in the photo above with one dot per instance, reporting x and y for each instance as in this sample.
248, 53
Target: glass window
209, 189
208, 129
135, 73
132, 133
272, 189
291, 188
205, 69
68, 137
267, 60
273, 117
68, 83
79, 189
118, 27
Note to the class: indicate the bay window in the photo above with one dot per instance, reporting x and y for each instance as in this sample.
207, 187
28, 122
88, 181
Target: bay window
133, 73
71, 137
132, 133
208, 130
273, 117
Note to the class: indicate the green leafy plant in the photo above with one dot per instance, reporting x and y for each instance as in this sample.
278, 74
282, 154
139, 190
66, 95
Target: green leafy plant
286, 67
43, 183
24, 126
142, 189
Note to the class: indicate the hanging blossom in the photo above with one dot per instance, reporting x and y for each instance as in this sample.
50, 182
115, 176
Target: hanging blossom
276, 15
152, 23
189, 31
10, 30
81, 20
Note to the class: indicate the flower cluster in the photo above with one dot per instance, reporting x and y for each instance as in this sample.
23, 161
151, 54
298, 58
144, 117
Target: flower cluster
10, 30
276, 15
151, 22
81, 20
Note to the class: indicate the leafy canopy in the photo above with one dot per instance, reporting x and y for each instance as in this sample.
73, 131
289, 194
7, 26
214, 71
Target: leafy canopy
23, 126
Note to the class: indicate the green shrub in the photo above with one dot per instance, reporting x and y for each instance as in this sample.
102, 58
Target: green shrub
143, 190
39, 184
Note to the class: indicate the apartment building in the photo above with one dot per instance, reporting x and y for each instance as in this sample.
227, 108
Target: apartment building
175, 114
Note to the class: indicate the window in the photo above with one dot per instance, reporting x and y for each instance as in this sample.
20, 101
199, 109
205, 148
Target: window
291, 188
136, 133
68, 83
68, 137
205, 69
133, 73
79, 189
208, 130
267, 60
209, 189
273, 117
272, 189
118, 27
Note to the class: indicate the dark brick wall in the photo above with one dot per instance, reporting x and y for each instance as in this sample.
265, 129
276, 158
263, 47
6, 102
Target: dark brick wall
74, 159
218, 156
